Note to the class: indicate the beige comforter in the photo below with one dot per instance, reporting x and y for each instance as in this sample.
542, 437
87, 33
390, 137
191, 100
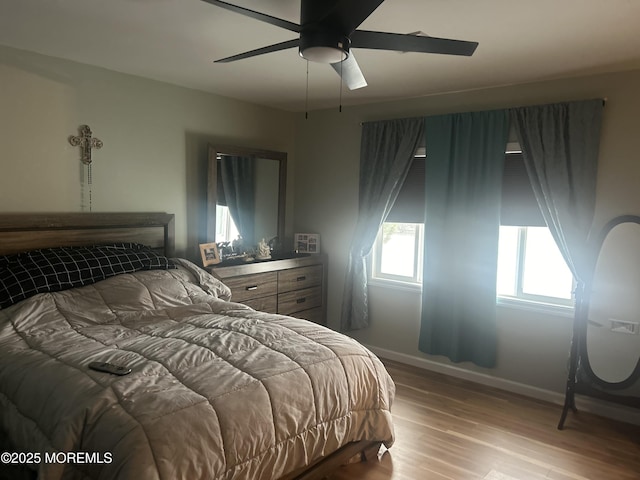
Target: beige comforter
217, 390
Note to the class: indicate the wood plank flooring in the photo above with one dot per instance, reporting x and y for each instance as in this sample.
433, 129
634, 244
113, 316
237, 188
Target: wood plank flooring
447, 428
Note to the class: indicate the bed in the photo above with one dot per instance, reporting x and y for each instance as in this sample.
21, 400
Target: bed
216, 390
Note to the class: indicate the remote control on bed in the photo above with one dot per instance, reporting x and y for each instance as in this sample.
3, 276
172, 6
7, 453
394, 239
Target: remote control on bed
109, 368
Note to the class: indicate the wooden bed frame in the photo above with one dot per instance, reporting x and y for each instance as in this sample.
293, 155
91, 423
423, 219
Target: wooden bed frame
21, 232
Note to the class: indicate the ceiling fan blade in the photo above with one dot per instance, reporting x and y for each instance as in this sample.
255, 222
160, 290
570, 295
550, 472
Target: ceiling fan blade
411, 43
347, 15
350, 72
278, 22
260, 51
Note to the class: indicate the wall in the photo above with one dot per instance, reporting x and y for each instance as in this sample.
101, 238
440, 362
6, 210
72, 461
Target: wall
532, 347
155, 138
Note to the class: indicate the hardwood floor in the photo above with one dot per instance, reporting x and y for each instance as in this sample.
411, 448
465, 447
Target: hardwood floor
447, 428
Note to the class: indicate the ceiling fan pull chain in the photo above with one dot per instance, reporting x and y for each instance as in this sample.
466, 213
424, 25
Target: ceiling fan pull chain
340, 108
306, 99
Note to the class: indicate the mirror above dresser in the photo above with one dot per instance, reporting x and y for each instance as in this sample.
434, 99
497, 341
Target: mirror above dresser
247, 187
246, 194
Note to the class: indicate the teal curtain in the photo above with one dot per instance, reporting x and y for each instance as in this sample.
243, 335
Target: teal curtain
463, 175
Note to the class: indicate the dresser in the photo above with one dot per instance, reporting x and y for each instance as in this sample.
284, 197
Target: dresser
292, 286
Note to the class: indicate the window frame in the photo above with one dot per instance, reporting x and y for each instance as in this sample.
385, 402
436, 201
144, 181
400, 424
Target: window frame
522, 297
375, 260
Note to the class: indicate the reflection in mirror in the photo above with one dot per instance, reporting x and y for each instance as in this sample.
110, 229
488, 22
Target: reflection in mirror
246, 194
613, 337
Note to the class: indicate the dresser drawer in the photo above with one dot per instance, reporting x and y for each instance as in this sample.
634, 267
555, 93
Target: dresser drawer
298, 300
264, 304
247, 287
290, 286
299, 278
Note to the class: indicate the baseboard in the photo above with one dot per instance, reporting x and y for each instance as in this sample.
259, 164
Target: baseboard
586, 404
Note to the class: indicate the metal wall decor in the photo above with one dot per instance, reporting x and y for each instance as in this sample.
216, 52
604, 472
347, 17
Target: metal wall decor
86, 142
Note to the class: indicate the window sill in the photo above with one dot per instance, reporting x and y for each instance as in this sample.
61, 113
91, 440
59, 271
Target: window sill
395, 285
501, 302
531, 306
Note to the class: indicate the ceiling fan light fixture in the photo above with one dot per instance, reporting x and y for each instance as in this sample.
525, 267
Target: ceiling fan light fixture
323, 54
323, 46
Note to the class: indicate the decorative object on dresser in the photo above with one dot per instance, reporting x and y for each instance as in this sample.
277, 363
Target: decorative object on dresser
307, 243
292, 286
264, 251
209, 253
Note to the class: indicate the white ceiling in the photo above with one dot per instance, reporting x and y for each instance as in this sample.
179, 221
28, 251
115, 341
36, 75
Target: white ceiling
175, 41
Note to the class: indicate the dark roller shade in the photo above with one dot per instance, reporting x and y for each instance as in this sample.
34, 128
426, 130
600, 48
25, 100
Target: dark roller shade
519, 204
409, 206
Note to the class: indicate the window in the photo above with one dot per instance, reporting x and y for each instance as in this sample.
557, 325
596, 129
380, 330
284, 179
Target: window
531, 267
397, 253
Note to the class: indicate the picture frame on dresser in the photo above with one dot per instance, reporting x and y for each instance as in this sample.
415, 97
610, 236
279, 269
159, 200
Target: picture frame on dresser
307, 243
210, 254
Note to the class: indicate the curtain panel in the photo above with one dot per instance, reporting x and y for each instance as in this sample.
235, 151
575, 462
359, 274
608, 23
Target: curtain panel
464, 172
560, 144
386, 151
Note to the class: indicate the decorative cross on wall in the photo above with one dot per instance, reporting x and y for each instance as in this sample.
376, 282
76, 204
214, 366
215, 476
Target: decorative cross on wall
85, 142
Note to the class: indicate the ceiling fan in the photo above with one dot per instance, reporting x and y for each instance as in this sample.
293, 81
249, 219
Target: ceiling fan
328, 32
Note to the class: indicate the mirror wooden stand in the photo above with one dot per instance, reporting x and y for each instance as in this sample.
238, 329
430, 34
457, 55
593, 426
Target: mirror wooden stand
605, 350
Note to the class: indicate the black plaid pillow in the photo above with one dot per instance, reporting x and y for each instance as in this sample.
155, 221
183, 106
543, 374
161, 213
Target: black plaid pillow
54, 269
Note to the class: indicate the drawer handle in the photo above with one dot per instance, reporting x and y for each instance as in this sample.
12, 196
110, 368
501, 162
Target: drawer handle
300, 279
253, 287
301, 300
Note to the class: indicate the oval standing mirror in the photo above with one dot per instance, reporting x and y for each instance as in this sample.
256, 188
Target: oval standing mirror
612, 340
246, 194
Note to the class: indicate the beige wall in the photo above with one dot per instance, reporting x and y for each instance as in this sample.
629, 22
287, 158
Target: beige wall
533, 347
155, 140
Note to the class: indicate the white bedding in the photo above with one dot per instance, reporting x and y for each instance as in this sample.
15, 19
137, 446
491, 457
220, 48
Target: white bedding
217, 390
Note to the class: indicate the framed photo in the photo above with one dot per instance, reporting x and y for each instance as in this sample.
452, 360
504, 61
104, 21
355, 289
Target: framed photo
209, 253
307, 243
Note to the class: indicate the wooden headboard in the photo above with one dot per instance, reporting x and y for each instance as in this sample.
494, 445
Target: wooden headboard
29, 231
